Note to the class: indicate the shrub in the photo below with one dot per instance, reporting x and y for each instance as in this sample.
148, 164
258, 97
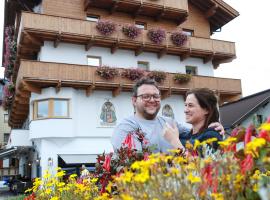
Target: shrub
182, 78
156, 35
131, 31
133, 73
158, 76
178, 38
106, 27
107, 72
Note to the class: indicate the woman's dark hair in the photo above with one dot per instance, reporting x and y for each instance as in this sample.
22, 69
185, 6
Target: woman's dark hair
207, 100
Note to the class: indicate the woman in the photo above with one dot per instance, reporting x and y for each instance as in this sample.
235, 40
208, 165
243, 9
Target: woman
200, 110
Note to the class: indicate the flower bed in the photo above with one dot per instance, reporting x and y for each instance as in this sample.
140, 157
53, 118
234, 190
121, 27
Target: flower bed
133, 73
106, 28
131, 31
178, 38
156, 35
107, 72
136, 175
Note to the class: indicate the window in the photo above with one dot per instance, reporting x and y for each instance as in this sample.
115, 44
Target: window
5, 118
141, 25
92, 18
94, 61
188, 32
259, 119
6, 137
191, 70
143, 65
51, 108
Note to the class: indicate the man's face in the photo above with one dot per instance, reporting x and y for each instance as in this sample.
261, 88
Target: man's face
147, 102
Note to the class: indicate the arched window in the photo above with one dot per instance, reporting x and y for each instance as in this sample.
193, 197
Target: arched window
167, 111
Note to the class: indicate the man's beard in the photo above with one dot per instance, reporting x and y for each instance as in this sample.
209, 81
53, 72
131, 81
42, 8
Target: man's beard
149, 116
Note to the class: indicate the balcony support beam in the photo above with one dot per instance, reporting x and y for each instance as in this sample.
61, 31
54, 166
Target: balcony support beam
89, 44
165, 94
58, 86
30, 87
138, 51
33, 39
208, 58
89, 90
161, 14
137, 11
57, 40
114, 47
87, 4
182, 19
185, 55
114, 7
162, 52
116, 91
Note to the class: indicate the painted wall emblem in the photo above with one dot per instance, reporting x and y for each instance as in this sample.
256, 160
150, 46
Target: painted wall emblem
108, 116
167, 111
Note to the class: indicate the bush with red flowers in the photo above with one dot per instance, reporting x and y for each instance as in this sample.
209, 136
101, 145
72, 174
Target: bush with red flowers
158, 76
133, 73
107, 72
156, 35
178, 38
131, 31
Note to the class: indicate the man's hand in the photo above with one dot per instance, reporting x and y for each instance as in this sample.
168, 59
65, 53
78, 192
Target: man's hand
218, 127
171, 134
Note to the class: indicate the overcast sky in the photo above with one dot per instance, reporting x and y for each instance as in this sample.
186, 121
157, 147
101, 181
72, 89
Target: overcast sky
251, 34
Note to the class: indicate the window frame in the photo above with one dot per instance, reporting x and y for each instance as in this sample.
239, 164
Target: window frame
138, 23
185, 30
195, 67
143, 62
4, 136
88, 16
51, 114
96, 57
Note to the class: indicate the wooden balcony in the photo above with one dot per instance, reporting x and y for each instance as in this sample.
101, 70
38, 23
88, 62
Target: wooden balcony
175, 10
36, 28
33, 76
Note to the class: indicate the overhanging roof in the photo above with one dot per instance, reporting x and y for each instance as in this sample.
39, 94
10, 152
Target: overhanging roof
234, 113
7, 152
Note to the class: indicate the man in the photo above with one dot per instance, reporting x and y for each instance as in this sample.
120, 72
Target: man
146, 101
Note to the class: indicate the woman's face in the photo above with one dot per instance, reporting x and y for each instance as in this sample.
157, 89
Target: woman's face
195, 114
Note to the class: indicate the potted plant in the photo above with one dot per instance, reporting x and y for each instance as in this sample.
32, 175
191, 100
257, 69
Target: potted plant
156, 35
106, 27
182, 78
131, 31
106, 72
133, 73
8, 94
158, 76
178, 38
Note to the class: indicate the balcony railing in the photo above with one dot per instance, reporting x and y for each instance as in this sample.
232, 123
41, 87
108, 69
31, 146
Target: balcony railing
175, 10
61, 29
33, 76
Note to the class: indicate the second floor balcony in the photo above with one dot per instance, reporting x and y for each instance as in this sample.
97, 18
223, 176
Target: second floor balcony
36, 28
175, 10
33, 76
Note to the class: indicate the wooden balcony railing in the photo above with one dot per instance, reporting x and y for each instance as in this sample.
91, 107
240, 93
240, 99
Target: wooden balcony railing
36, 27
33, 76
175, 10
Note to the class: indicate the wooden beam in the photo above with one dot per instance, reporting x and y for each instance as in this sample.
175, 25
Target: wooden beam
211, 11
161, 14
114, 47
114, 7
208, 58
137, 11
185, 56
58, 86
57, 40
89, 90
138, 51
89, 44
30, 87
182, 20
23, 93
87, 4
116, 91
165, 94
162, 52
33, 39
30, 48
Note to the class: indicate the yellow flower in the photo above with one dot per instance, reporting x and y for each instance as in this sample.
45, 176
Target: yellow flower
126, 197
193, 179
60, 173
196, 144
253, 146
217, 196
255, 187
265, 126
48, 191
191, 166
227, 142
73, 176
142, 177
54, 198
167, 194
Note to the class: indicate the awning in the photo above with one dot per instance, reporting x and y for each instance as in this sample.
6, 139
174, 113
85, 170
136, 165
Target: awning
7, 152
79, 158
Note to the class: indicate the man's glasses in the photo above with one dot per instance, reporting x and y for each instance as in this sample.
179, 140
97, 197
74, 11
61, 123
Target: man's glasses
147, 97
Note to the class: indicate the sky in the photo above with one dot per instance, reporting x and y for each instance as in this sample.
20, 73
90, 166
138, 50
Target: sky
252, 37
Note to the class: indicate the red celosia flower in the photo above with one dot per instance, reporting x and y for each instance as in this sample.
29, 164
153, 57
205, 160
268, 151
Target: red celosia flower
129, 142
107, 163
246, 164
248, 134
